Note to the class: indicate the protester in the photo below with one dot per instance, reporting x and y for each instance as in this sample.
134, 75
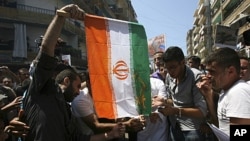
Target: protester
161, 72
245, 69
157, 59
9, 97
223, 68
189, 107
194, 62
8, 82
23, 74
83, 108
46, 109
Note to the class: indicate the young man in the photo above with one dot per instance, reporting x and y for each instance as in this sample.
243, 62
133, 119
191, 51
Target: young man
189, 107
46, 108
194, 62
159, 67
223, 67
157, 59
245, 69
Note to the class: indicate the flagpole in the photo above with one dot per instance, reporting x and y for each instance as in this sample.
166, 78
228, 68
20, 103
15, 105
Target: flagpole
165, 42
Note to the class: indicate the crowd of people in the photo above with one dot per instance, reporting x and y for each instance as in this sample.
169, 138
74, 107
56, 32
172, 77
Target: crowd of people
52, 101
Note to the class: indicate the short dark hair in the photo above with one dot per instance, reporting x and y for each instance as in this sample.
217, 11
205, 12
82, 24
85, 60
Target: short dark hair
157, 52
66, 73
245, 58
173, 53
195, 59
225, 57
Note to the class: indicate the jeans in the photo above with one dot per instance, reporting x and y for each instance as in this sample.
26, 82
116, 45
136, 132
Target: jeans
192, 135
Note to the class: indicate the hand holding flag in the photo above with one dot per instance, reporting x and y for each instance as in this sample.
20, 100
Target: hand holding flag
71, 11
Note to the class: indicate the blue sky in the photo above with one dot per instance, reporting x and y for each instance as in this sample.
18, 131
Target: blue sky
170, 17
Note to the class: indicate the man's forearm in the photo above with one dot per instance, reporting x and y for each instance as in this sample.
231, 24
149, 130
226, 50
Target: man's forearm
52, 34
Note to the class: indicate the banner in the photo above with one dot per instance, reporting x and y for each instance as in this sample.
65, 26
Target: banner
225, 37
158, 43
66, 59
118, 67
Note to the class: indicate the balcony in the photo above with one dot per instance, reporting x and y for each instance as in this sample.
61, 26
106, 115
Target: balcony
215, 4
201, 31
201, 9
36, 16
196, 20
197, 37
217, 18
196, 29
234, 9
202, 20
196, 46
196, 17
225, 3
202, 50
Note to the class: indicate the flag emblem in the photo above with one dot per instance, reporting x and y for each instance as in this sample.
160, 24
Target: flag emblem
121, 70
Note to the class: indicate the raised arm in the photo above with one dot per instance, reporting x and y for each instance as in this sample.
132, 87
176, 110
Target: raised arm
206, 90
54, 30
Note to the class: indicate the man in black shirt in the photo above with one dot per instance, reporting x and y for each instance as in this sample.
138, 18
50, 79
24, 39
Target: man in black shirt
46, 108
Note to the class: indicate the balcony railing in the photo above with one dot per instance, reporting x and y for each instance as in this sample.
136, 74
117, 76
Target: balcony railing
35, 9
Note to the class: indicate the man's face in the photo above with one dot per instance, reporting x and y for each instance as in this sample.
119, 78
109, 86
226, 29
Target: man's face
7, 82
175, 68
217, 75
163, 71
24, 74
72, 90
245, 70
158, 59
192, 64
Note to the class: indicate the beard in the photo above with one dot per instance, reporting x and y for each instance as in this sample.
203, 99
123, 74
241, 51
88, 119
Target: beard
69, 94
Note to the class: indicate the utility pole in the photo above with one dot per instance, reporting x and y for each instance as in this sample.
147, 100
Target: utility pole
209, 26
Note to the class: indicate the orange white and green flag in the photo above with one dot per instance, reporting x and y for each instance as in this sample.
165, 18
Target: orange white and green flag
118, 66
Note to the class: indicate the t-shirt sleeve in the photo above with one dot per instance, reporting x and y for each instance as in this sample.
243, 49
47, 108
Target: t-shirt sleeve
238, 104
82, 105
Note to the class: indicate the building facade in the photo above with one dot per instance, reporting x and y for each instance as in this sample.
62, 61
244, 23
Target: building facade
23, 22
219, 23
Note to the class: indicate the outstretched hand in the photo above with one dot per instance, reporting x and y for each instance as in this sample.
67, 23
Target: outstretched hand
157, 101
135, 124
13, 104
118, 131
17, 128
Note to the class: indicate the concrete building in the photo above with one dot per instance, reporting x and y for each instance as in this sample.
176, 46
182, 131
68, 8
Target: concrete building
222, 23
22, 22
196, 36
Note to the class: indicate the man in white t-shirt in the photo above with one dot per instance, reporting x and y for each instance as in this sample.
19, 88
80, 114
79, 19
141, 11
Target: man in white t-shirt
224, 68
83, 109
